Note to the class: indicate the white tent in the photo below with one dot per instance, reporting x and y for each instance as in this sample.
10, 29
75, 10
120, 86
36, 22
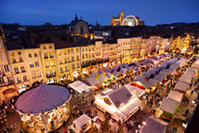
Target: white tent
168, 106
153, 82
79, 86
139, 77
92, 81
159, 77
100, 71
186, 79
107, 70
115, 68
137, 64
146, 74
154, 125
115, 73
195, 66
176, 96
123, 70
182, 86
102, 78
134, 90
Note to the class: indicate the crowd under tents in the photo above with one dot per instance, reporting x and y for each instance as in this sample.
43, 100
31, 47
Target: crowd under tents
169, 108
79, 86
134, 90
181, 87
176, 96
154, 125
121, 107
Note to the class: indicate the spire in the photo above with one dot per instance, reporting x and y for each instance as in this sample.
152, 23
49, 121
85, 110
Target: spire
122, 14
76, 18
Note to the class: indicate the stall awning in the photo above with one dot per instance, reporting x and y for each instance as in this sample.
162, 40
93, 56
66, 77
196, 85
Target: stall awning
109, 75
79, 86
186, 79
115, 68
153, 82
123, 70
102, 78
182, 86
168, 106
108, 70
115, 73
82, 120
147, 74
92, 81
176, 96
93, 74
139, 77
135, 90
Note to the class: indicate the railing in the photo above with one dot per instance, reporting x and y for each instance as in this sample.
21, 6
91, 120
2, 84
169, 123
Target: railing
50, 75
7, 83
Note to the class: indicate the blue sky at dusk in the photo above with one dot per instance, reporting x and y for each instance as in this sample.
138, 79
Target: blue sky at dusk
36, 12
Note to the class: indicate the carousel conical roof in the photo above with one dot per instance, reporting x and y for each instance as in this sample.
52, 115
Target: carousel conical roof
42, 98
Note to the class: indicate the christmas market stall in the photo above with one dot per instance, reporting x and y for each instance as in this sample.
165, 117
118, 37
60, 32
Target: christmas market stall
181, 87
44, 108
169, 108
154, 125
120, 107
176, 96
82, 124
79, 86
94, 84
134, 90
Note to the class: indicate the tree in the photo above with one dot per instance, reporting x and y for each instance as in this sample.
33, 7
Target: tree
120, 129
95, 130
105, 126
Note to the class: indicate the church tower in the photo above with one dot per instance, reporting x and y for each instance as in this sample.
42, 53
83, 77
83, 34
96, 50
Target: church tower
121, 17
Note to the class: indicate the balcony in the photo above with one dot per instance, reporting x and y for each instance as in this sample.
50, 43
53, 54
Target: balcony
45, 57
16, 72
50, 75
86, 65
51, 56
6, 84
93, 63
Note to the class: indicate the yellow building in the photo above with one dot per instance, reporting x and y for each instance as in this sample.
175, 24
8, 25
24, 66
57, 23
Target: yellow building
143, 54
125, 49
135, 47
113, 54
7, 86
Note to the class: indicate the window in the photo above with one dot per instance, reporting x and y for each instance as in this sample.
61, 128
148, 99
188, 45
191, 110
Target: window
22, 69
18, 80
65, 60
52, 63
83, 56
13, 61
29, 55
78, 58
16, 70
20, 59
73, 59
69, 51
93, 48
69, 59
61, 70
66, 69
77, 50
48, 73
2, 81
47, 65
33, 75
24, 78
37, 64
19, 53
35, 54
82, 30
53, 72
0, 72
50, 47
51, 55
77, 65
1, 44
38, 74
6, 69
86, 49
3, 57
44, 47
59, 53
73, 66
45, 56
9, 78
31, 65
83, 49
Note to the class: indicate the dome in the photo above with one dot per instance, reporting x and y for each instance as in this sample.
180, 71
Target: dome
42, 98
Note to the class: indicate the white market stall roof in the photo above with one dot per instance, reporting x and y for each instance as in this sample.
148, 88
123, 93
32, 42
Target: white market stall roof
146, 74
168, 106
195, 66
197, 62
108, 70
163, 73
132, 66
109, 75
176, 96
102, 78
153, 82
92, 81
162, 56
190, 73
139, 77
186, 79
80, 121
42, 98
93, 74
164, 65
166, 70
125, 65
154, 70
79, 86
154, 125
123, 70
182, 86
173, 67
159, 77
144, 83
134, 90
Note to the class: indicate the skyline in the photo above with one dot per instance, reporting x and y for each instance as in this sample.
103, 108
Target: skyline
152, 13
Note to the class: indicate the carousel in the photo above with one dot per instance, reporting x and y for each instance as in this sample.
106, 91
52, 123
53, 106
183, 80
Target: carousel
44, 108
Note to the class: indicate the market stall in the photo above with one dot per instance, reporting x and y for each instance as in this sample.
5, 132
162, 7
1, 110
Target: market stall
154, 125
186, 79
94, 85
176, 96
154, 84
82, 124
44, 108
148, 75
79, 86
169, 108
142, 84
134, 90
181, 87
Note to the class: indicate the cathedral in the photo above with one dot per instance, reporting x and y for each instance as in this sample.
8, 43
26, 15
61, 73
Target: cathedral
130, 20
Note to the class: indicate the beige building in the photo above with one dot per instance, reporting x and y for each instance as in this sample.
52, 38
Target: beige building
125, 49
143, 54
113, 54
135, 49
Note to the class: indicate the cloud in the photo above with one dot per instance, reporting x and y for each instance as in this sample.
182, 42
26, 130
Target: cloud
42, 12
